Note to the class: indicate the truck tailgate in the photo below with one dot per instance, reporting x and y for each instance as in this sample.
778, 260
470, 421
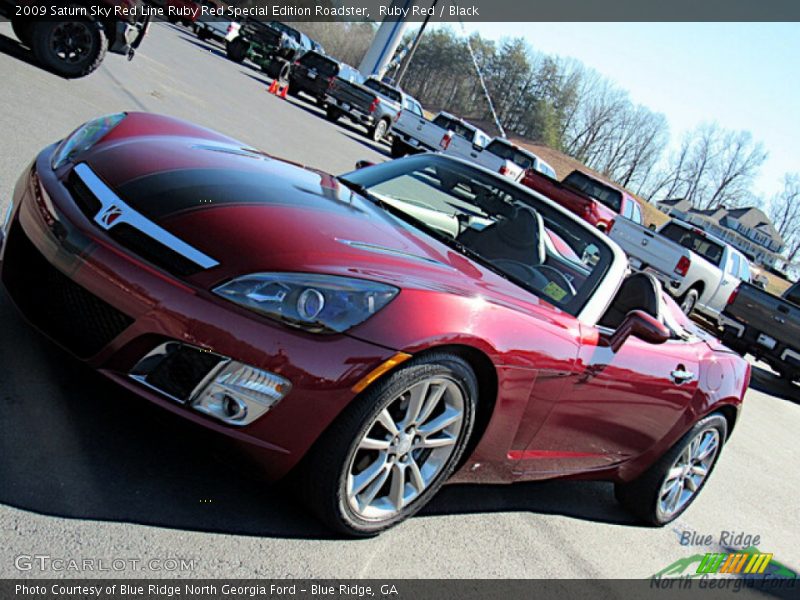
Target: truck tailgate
766, 313
352, 94
646, 246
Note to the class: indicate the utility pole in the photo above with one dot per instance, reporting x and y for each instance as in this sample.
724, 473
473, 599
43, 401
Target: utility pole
407, 60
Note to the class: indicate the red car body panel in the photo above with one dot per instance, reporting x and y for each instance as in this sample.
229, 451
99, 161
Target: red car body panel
561, 403
587, 208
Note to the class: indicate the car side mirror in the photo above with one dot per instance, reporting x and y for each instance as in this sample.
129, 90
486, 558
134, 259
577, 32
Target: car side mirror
361, 164
639, 324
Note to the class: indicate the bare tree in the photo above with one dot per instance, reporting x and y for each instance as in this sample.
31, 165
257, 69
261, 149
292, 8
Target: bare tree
784, 212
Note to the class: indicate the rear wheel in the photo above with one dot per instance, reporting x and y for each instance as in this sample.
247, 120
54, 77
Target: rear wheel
689, 301
391, 450
236, 49
333, 114
202, 33
378, 131
399, 148
69, 48
667, 488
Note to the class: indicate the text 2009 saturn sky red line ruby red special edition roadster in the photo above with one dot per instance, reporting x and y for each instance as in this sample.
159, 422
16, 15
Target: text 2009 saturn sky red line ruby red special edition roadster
374, 334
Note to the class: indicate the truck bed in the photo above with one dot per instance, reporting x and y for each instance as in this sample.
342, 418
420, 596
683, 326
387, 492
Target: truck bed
356, 96
761, 311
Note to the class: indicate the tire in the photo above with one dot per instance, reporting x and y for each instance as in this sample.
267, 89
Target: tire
23, 29
399, 148
641, 497
237, 49
69, 48
689, 301
379, 131
202, 33
333, 114
332, 469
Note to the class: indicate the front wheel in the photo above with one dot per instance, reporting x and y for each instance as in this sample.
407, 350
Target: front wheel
399, 148
236, 49
391, 450
69, 48
333, 114
667, 488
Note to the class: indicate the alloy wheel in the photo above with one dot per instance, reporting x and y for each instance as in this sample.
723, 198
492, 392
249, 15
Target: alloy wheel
71, 41
687, 474
404, 448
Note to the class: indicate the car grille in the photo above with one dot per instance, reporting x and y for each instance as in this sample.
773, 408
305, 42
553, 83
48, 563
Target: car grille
176, 369
129, 237
75, 318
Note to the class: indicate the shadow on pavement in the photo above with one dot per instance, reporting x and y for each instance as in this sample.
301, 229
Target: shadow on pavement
15, 49
75, 445
769, 383
356, 136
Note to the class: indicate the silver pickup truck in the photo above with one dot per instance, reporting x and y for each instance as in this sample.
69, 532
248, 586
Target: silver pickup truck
698, 269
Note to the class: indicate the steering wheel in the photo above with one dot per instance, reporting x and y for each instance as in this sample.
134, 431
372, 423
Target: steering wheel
537, 275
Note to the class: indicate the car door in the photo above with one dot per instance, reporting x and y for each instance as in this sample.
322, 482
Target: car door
616, 405
728, 283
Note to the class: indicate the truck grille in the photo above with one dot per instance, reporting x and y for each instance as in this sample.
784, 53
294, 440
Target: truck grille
71, 315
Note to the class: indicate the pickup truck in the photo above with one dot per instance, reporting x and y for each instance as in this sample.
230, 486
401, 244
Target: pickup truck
271, 45
212, 26
445, 133
698, 269
373, 104
766, 326
504, 157
591, 199
75, 46
314, 73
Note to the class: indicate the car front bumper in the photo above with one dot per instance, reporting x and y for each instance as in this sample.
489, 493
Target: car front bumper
110, 309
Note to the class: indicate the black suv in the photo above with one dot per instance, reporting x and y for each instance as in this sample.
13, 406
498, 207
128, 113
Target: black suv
313, 73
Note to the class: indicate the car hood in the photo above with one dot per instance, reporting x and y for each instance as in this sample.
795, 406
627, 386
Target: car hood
251, 212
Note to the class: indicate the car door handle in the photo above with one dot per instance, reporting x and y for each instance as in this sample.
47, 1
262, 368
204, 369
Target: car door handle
681, 375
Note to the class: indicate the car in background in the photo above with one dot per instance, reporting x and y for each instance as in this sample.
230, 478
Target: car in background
590, 198
374, 104
76, 47
766, 326
272, 45
214, 26
447, 133
698, 269
313, 74
374, 333
184, 12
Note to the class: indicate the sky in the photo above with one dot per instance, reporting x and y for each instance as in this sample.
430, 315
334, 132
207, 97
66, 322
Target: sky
742, 75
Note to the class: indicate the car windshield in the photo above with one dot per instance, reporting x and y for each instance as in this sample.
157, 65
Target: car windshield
696, 241
517, 234
457, 127
383, 89
508, 152
324, 66
594, 189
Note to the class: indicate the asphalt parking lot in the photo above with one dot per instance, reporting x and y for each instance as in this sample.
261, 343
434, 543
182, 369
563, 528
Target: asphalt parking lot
90, 471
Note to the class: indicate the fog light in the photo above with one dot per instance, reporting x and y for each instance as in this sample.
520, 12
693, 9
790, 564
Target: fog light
239, 394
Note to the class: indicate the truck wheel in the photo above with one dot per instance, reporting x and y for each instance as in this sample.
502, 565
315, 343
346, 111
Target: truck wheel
202, 33
399, 148
23, 29
236, 50
69, 48
689, 301
333, 114
377, 133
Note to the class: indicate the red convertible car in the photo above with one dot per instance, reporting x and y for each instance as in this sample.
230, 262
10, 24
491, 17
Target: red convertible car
375, 333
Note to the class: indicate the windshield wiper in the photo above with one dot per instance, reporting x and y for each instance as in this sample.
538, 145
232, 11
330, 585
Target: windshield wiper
451, 242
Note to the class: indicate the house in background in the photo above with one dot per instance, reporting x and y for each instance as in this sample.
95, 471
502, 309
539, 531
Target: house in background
747, 229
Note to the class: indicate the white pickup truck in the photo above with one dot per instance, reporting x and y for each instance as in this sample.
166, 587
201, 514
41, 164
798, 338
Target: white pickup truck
698, 269
450, 135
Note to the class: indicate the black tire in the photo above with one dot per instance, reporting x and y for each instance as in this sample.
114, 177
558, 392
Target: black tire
640, 497
333, 114
202, 33
379, 131
172, 19
322, 478
689, 301
237, 49
23, 29
399, 148
69, 48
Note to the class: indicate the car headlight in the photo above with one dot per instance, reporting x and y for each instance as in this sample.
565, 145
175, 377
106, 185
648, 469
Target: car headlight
83, 138
314, 302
